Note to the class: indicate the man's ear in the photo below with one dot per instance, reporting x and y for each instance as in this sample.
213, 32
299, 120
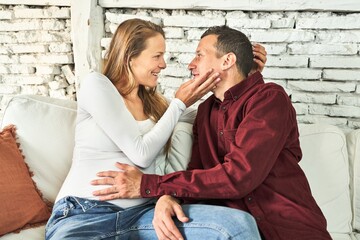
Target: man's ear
229, 60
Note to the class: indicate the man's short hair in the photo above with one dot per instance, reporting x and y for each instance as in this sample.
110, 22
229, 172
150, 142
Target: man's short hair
231, 40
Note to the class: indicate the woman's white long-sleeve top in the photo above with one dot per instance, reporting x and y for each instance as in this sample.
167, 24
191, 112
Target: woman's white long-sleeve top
107, 133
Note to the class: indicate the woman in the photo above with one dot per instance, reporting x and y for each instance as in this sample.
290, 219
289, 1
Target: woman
121, 118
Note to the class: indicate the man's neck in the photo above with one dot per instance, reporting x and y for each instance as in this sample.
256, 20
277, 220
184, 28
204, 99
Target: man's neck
226, 83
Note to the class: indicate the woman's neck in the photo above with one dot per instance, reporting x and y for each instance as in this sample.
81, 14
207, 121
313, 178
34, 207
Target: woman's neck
135, 106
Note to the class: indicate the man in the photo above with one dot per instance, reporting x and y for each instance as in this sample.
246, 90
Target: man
245, 151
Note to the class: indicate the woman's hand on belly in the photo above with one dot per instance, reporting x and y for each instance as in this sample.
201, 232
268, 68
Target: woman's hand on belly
123, 184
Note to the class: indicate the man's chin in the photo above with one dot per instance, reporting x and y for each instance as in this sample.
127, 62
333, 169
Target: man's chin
196, 77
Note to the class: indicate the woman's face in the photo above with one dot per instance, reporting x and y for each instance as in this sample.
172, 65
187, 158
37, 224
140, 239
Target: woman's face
147, 66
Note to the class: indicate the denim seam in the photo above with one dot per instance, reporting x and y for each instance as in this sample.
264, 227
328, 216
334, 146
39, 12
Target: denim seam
214, 227
210, 226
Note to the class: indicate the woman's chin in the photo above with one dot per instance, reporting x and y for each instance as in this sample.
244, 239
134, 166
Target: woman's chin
152, 85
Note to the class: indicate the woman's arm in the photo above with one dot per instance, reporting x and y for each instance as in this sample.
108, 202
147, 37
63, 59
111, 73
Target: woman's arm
101, 100
99, 97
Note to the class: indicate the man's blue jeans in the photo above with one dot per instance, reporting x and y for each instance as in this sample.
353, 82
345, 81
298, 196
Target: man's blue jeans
78, 218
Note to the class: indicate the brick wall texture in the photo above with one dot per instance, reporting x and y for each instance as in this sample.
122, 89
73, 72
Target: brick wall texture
35, 52
314, 56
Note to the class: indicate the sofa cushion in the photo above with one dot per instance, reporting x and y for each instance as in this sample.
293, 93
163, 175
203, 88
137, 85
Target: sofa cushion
21, 203
45, 129
325, 163
353, 140
179, 154
36, 233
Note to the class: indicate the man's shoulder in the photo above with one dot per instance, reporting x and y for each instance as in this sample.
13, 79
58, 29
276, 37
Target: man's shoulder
273, 92
271, 87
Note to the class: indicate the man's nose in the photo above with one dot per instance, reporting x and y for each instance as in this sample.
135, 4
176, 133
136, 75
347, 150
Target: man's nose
191, 65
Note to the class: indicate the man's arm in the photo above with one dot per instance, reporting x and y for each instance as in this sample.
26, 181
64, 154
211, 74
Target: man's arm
259, 139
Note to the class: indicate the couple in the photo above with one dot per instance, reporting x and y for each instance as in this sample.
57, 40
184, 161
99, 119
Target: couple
244, 162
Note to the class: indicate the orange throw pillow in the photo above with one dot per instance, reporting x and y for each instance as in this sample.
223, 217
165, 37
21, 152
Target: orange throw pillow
21, 202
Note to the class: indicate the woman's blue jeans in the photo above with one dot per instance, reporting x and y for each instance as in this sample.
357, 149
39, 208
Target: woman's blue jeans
78, 218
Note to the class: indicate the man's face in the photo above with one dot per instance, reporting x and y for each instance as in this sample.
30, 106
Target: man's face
205, 57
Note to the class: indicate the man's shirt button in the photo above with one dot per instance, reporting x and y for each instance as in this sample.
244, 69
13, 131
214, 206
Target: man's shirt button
147, 191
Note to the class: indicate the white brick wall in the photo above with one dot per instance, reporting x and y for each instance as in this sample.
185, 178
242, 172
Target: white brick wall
313, 55
35, 52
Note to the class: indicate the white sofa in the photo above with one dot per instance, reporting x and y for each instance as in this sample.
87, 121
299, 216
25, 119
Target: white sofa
45, 129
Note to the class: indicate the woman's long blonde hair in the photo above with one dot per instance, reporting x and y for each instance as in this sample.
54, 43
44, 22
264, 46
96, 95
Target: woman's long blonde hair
129, 41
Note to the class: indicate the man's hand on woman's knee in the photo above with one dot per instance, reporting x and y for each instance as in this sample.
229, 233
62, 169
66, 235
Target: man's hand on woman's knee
166, 208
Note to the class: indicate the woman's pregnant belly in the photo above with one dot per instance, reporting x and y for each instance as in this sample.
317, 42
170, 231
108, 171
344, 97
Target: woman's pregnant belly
84, 170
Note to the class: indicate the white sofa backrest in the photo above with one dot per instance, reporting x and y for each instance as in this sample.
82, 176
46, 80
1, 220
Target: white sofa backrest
45, 130
325, 163
353, 142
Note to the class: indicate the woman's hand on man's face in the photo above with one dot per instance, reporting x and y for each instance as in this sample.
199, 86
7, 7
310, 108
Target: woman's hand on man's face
194, 89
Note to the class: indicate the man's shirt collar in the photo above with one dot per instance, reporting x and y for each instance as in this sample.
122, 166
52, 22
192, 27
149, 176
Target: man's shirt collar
236, 91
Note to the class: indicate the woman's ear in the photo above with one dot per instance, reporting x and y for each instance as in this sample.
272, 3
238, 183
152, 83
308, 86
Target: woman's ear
229, 60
